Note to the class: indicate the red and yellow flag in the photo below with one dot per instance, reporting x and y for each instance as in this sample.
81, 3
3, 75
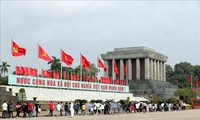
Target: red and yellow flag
115, 68
17, 50
101, 65
43, 55
66, 58
85, 63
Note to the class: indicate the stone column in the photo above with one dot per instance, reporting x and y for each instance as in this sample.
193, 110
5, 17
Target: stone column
158, 70
147, 68
106, 64
113, 73
164, 72
154, 70
151, 69
129, 69
137, 69
121, 69
161, 70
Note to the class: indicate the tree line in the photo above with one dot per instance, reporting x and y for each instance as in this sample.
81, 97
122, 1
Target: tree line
181, 72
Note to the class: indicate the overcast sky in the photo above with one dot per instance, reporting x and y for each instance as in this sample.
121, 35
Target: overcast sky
93, 28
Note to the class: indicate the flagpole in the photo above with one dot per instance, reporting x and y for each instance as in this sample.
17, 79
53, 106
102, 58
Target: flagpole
11, 57
113, 71
61, 64
197, 83
38, 62
81, 67
81, 70
191, 81
126, 72
98, 74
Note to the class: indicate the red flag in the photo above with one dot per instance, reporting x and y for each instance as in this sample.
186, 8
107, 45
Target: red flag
196, 82
35, 72
66, 58
48, 74
17, 51
43, 55
43, 73
125, 69
26, 71
101, 65
17, 71
85, 63
190, 79
56, 75
115, 67
22, 71
71, 76
31, 72
65, 75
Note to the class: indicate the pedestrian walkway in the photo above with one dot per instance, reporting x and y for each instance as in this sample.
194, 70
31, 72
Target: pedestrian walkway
179, 115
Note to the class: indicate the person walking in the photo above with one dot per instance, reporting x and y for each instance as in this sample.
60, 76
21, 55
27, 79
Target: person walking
10, 109
18, 106
30, 109
72, 109
36, 108
51, 107
4, 109
58, 108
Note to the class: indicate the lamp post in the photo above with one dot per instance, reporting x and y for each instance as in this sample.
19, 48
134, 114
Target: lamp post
16, 93
10, 89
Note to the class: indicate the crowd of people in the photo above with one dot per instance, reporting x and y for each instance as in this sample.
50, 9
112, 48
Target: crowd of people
26, 109
78, 108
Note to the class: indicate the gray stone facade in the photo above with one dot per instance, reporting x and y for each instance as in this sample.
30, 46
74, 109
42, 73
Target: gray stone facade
143, 63
145, 71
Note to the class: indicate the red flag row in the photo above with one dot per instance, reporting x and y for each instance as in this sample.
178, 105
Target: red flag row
66, 58
196, 83
26, 71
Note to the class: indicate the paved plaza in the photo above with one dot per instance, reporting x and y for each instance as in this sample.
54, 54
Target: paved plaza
179, 115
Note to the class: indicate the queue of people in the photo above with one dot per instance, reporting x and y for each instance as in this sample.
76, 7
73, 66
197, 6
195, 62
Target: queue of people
77, 108
26, 108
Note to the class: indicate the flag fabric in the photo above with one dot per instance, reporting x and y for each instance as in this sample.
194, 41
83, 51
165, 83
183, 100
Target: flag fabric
43, 55
65, 75
196, 82
66, 58
18, 70
56, 75
22, 72
26, 71
125, 70
115, 68
48, 74
101, 65
17, 50
189, 79
85, 63
31, 71
35, 72
43, 73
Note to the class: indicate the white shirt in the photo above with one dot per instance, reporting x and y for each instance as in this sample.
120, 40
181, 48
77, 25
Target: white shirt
72, 106
4, 106
58, 107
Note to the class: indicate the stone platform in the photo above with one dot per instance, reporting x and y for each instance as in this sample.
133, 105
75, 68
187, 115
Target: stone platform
149, 88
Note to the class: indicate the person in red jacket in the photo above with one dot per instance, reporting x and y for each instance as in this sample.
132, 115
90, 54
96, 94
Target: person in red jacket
51, 107
30, 109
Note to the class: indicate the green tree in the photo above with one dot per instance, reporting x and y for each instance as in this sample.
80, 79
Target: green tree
186, 94
92, 71
55, 64
169, 72
181, 72
4, 68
